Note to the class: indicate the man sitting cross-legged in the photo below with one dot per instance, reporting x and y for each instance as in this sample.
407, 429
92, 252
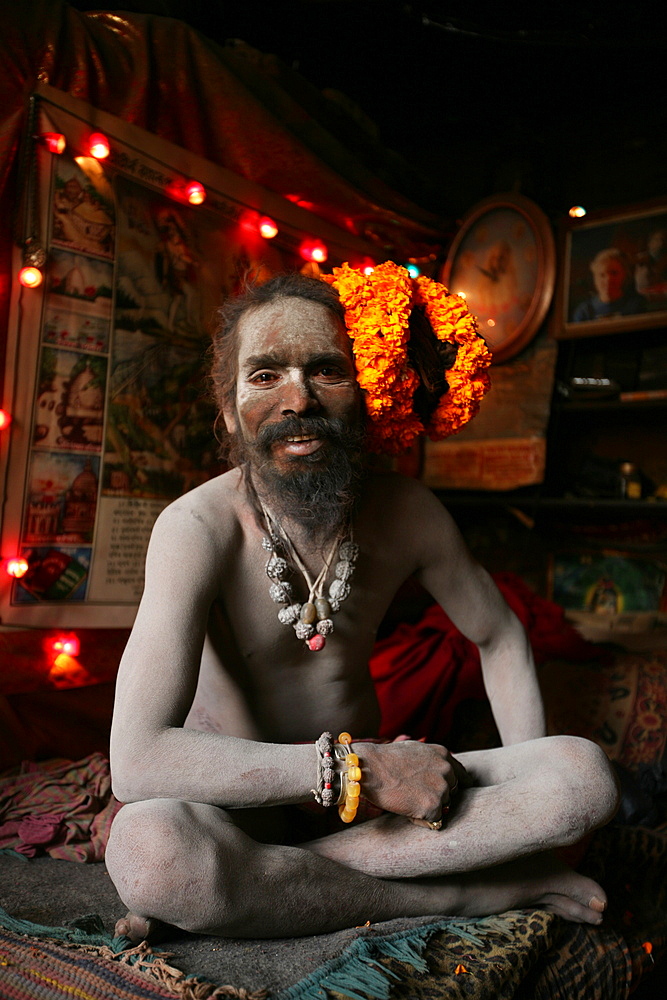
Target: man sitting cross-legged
264, 591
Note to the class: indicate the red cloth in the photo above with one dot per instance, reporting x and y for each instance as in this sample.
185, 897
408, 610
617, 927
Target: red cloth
422, 672
231, 105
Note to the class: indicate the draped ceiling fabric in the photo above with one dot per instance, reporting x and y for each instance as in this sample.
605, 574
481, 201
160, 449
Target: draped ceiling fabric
232, 105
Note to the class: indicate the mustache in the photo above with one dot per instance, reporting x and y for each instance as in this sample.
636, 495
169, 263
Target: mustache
331, 428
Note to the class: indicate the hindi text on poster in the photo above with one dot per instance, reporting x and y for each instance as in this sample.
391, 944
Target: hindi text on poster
123, 533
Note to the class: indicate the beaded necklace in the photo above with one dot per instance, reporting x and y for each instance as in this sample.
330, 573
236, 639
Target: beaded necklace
312, 620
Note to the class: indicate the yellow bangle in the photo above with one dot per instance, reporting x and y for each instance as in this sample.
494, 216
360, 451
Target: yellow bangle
350, 782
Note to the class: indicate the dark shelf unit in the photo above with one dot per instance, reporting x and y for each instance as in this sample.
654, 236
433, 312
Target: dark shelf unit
610, 405
521, 530
589, 438
632, 508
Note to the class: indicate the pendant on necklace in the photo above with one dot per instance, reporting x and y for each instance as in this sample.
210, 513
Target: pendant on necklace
312, 621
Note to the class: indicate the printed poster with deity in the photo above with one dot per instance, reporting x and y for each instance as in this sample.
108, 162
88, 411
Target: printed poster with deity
106, 374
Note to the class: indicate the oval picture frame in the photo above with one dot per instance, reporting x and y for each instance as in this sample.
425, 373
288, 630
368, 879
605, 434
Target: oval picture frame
503, 260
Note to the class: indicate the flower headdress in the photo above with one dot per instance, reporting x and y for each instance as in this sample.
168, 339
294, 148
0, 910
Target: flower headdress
377, 316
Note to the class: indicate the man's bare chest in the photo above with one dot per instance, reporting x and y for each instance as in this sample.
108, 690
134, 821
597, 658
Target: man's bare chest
260, 680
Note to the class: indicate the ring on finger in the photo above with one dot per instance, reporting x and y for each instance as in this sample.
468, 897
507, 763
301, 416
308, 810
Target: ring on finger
437, 825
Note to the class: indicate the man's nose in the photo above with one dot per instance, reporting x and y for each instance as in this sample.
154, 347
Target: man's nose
298, 396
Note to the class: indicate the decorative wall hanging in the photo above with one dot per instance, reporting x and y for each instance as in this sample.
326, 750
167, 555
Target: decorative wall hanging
132, 244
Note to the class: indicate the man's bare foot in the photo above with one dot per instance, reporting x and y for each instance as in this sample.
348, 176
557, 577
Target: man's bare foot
540, 881
138, 929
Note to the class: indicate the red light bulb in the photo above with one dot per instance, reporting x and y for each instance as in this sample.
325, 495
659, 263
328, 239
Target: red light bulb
30, 277
319, 253
5, 419
314, 250
55, 142
267, 228
17, 567
67, 644
98, 146
195, 193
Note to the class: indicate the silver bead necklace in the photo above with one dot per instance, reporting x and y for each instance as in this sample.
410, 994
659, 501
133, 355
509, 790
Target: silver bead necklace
311, 621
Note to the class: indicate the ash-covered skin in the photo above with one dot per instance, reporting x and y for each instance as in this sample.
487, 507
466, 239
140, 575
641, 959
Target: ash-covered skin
218, 704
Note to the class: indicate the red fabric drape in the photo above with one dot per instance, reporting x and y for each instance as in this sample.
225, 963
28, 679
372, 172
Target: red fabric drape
232, 105
424, 671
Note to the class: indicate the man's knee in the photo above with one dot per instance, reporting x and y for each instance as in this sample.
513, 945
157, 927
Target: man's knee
168, 860
587, 780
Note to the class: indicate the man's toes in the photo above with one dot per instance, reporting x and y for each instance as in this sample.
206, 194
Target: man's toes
122, 928
135, 928
566, 907
598, 904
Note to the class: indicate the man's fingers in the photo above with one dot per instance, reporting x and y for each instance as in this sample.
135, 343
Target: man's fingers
462, 778
435, 824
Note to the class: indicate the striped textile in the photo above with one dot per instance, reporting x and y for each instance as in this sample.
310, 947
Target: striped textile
60, 807
50, 971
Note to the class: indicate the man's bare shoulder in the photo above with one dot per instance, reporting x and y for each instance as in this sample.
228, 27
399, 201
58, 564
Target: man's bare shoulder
402, 513
400, 495
216, 507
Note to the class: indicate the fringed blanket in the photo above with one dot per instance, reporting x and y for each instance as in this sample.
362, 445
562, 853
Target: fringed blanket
59, 963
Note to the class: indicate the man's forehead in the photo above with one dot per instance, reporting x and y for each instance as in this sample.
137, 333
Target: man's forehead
290, 322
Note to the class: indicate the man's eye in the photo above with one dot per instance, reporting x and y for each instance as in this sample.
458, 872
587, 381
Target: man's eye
263, 377
330, 371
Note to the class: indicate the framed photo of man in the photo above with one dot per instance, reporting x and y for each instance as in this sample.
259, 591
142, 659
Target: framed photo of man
614, 275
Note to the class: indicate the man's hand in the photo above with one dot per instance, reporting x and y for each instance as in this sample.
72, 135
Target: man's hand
410, 778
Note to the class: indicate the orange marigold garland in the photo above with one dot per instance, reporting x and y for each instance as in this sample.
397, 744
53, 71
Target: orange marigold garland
377, 312
468, 380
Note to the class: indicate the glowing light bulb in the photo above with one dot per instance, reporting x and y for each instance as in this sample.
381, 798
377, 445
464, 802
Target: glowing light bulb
490, 322
5, 419
365, 264
413, 270
461, 295
67, 644
267, 228
30, 277
195, 193
98, 146
17, 567
55, 142
314, 250
577, 212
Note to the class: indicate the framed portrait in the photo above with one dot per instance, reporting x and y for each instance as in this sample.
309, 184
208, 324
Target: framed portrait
614, 275
503, 261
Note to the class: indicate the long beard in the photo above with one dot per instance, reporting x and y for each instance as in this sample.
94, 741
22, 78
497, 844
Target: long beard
319, 491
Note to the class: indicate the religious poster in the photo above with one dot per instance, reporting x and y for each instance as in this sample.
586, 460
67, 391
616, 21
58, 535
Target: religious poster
106, 369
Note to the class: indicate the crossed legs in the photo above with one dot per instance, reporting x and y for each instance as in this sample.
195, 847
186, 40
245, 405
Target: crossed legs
188, 864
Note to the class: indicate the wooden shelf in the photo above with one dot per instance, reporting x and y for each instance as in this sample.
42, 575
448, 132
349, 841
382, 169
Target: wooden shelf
634, 508
608, 405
